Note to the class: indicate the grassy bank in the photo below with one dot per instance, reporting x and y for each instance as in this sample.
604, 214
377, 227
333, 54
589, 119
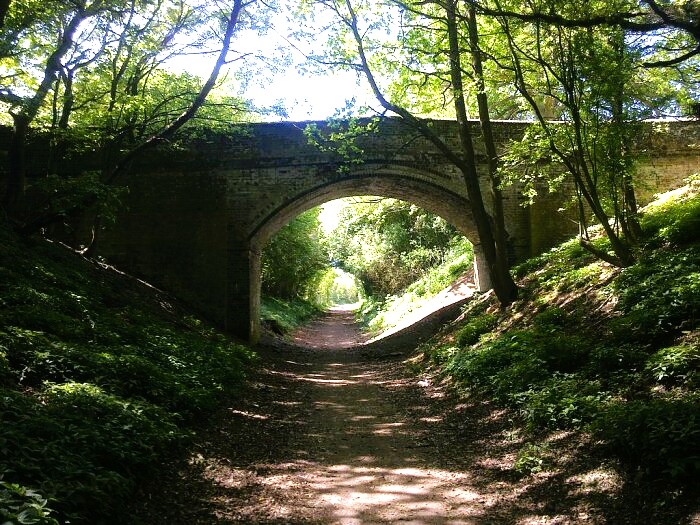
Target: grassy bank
379, 314
610, 354
101, 377
282, 316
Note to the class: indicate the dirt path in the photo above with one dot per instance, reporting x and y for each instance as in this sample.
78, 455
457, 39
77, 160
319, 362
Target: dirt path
330, 434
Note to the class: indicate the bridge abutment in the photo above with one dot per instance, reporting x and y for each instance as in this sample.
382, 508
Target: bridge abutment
243, 291
482, 278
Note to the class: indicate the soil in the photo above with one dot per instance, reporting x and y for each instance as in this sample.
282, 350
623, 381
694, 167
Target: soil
333, 431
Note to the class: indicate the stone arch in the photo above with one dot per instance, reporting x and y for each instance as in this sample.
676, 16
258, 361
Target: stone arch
245, 272
453, 208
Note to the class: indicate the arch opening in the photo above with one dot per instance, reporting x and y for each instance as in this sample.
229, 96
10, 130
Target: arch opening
244, 268
454, 209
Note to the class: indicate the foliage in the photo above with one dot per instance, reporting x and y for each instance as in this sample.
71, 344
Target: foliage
334, 287
388, 244
341, 138
657, 436
23, 506
470, 332
629, 375
658, 295
59, 195
294, 257
379, 314
674, 221
676, 365
100, 379
531, 459
285, 315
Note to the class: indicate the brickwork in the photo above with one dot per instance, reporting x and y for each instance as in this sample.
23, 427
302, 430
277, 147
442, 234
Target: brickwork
196, 218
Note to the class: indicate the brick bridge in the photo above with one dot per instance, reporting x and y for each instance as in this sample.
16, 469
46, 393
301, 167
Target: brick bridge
196, 219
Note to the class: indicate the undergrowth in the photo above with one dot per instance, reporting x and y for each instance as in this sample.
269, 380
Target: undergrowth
100, 379
614, 353
284, 315
379, 314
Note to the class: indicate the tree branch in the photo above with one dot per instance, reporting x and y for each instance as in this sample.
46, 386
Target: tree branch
198, 102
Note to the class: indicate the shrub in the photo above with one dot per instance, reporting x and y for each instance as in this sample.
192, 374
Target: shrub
659, 296
19, 504
531, 459
98, 381
608, 359
675, 365
284, 315
656, 437
475, 328
673, 222
565, 401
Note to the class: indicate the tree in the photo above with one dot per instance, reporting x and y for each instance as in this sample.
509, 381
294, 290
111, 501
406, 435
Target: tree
24, 108
673, 26
389, 244
294, 257
126, 100
585, 72
436, 23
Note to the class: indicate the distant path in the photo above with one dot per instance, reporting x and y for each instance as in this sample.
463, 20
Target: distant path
329, 434
335, 329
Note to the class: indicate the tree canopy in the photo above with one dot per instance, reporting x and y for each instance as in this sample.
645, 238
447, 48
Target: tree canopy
103, 70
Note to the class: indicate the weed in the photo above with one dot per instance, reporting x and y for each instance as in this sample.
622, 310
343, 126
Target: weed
631, 377
675, 365
19, 504
469, 333
97, 383
531, 459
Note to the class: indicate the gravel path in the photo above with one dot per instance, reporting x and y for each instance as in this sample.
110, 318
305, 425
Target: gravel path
331, 433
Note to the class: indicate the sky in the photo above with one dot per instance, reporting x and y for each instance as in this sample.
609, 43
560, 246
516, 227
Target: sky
304, 95
307, 97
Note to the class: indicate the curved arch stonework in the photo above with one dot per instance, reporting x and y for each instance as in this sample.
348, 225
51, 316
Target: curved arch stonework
453, 208
450, 206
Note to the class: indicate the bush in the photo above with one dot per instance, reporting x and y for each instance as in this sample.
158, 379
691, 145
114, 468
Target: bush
99, 381
531, 459
673, 222
82, 446
675, 365
660, 437
608, 359
283, 316
565, 401
293, 257
659, 296
471, 332
21, 505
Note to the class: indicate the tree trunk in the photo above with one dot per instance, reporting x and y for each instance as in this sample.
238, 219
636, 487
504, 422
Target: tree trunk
16, 177
503, 285
499, 227
4, 8
14, 194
